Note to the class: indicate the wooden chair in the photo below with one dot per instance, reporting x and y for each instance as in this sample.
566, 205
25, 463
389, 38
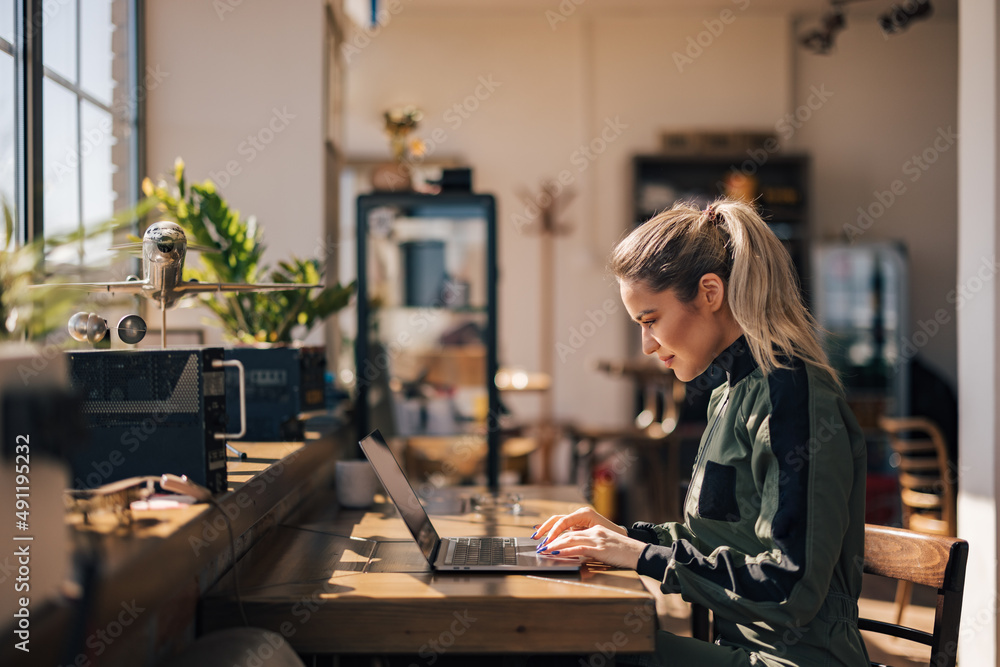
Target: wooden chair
926, 483
929, 560
904, 555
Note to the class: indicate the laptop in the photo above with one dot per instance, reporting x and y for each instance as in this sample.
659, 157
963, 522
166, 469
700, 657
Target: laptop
466, 554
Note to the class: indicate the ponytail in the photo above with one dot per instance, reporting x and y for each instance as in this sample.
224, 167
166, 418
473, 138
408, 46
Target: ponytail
675, 248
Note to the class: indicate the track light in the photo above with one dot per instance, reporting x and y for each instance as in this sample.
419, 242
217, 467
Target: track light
820, 41
895, 20
898, 18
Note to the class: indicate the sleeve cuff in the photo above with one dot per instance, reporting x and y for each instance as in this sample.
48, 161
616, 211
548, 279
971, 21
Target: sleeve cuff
643, 532
654, 560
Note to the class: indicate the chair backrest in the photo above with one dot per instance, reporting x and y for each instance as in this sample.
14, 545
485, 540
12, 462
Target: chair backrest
926, 481
928, 560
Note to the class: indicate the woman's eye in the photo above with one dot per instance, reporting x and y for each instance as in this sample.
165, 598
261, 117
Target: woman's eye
648, 323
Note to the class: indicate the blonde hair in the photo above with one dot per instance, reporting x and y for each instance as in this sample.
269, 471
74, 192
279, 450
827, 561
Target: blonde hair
675, 248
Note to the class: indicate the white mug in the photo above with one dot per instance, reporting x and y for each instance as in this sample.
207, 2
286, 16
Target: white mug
356, 484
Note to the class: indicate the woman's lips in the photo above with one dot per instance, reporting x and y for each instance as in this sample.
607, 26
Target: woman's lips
668, 361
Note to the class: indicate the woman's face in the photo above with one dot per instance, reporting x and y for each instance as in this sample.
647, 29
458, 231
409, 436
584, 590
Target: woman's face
686, 337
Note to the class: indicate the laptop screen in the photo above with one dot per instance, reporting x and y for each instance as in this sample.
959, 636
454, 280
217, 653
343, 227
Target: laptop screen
403, 496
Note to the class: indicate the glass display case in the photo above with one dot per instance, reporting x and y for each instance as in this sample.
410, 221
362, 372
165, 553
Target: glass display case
860, 303
426, 352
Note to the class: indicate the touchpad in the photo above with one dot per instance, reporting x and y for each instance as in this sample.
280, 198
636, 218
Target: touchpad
402, 556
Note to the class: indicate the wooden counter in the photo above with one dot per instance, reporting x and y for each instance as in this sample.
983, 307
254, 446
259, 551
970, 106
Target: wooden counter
314, 581
148, 576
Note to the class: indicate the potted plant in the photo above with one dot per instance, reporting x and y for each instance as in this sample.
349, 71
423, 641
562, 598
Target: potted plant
32, 305
235, 255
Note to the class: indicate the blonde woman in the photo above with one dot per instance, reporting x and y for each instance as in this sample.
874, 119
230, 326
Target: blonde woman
773, 527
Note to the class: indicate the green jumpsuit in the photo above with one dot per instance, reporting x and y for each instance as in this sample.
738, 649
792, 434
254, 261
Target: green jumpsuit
773, 534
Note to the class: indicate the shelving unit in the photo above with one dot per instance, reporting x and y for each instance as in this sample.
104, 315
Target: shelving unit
426, 352
781, 187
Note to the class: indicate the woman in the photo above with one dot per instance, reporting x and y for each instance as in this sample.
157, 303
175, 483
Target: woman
773, 532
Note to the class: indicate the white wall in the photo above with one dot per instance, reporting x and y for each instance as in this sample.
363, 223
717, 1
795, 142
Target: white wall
242, 102
605, 81
557, 86
979, 325
889, 101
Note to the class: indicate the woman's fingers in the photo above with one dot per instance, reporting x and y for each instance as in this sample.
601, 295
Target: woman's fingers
542, 529
561, 522
597, 543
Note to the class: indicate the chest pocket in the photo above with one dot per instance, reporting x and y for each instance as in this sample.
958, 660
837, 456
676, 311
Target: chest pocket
717, 499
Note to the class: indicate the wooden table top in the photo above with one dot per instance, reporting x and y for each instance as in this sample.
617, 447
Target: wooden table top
314, 580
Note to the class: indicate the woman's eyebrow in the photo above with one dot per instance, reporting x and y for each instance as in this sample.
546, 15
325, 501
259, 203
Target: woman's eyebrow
642, 313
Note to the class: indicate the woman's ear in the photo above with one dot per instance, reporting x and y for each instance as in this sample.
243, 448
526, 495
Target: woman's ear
711, 292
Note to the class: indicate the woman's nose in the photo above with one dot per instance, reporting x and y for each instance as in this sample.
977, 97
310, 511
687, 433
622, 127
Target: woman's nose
649, 344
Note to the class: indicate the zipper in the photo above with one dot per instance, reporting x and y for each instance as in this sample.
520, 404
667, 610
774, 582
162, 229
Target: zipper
708, 441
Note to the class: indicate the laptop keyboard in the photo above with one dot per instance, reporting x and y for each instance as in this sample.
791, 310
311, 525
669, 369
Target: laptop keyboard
483, 551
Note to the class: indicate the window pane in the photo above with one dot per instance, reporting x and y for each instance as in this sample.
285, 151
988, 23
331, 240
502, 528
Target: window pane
98, 192
96, 29
7, 20
7, 129
61, 160
59, 37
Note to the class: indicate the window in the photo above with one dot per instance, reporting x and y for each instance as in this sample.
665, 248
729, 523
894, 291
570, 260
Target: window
87, 109
8, 117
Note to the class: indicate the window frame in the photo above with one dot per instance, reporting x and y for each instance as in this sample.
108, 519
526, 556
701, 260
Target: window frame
30, 73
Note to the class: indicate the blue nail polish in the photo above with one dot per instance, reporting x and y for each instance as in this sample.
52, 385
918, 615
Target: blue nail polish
554, 553
533, 536
536, 526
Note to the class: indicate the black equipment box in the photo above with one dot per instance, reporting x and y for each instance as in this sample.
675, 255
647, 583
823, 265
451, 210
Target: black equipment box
151, 412
281, 384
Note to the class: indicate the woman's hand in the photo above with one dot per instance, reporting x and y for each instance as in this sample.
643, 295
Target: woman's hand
588, 534
585, 517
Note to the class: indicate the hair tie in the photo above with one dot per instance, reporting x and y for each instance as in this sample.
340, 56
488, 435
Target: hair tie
711, 214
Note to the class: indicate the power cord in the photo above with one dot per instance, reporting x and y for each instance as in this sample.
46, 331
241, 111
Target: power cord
185, 486
232, 550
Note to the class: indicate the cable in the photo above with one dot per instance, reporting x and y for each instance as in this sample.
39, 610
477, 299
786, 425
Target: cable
232, 548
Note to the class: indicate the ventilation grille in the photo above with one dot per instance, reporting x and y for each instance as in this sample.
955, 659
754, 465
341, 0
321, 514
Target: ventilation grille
141, 385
